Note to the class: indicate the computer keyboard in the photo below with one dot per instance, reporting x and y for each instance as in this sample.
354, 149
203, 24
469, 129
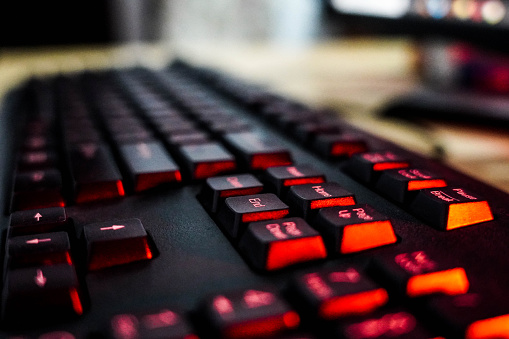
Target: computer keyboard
183, 203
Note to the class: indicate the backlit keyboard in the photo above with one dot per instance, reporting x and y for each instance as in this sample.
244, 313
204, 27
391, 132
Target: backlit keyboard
183, 203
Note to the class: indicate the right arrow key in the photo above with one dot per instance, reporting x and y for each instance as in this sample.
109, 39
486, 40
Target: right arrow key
116, 243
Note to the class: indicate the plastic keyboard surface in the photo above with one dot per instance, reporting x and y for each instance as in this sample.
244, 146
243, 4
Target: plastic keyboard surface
183, 203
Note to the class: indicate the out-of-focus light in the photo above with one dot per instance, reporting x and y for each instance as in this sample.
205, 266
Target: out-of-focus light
386, 8
493, 11
438, 9
463, 9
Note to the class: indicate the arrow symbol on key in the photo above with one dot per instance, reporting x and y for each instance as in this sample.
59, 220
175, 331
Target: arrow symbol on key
112, 228
40, 279
38, 216
36, 241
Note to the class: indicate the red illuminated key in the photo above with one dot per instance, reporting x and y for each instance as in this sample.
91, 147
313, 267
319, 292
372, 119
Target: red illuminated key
339, 145
282, 177
38, 221
116, 243
249, 314
417, 274
207, 160
451, 207
236, 212
42, 293
161, 324
308, 199
368, 166
217, 189
274, 244
496, 327
149, 165
403, 184
41, 249
336, 293
258, 152
349, 229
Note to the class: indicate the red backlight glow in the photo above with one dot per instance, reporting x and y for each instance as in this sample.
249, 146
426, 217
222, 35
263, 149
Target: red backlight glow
258, 216
289, 252
364, 236
354, 304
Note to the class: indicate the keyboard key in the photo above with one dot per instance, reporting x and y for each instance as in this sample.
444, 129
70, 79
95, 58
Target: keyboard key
250, 313
282, 177
451, 207
337, 293
274, 244
349, 229
149, 165
207, 160
116, 243
403, 184
38, 221
38, 189
236, 212
216, 189
258, 152
339, 145
154, 325
416, 274
307, 199
368, 166
95, 174
37, 292
40, 249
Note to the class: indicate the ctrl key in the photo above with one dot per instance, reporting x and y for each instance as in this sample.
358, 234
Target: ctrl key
41, 294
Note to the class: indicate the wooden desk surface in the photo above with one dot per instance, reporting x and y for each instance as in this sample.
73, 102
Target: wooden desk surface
354, 76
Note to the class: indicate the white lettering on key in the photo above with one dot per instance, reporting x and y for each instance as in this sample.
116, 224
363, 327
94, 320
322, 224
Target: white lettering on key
291, 228
321, 191
345, 214
463, 194
275, 230
443, 196
234, 181
256, 202
361, 214
294, 171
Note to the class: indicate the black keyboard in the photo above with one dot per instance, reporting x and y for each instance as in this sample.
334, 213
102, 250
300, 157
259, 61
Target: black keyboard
183, 203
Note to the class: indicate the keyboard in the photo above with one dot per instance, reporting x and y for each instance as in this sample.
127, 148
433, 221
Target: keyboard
185, 203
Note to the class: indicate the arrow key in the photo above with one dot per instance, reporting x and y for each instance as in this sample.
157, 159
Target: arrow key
38, 221
116, 243
41, 249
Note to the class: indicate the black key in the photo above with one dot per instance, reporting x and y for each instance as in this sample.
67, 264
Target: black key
236, 212
249, 314
275, 244
308, 131
449, 208
307, 199
38, 189
349, 229
258, 152
338, 292
339, 145
42, 294
149, 165
116, 243
282, 177
38, 221
419, 273
96, 175
207, 160
368, 166
40, 249
403, 184
164, 323
216, 189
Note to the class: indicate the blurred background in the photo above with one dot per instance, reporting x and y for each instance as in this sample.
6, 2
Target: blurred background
432, 75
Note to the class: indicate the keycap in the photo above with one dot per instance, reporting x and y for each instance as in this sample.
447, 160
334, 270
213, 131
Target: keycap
307, 199
45, 292
217, 189
338, 292
38, 189
258, 152
368, 166
163, 323
38, 221
207, 160
149, 165
40, 249
95, 174
449, 208
419, 273
236, 212
339, 145
275, 244
250, 313
282, 177
116, 243
403, 184
349, 229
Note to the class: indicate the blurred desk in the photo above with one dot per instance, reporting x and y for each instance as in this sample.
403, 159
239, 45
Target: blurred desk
354, 76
